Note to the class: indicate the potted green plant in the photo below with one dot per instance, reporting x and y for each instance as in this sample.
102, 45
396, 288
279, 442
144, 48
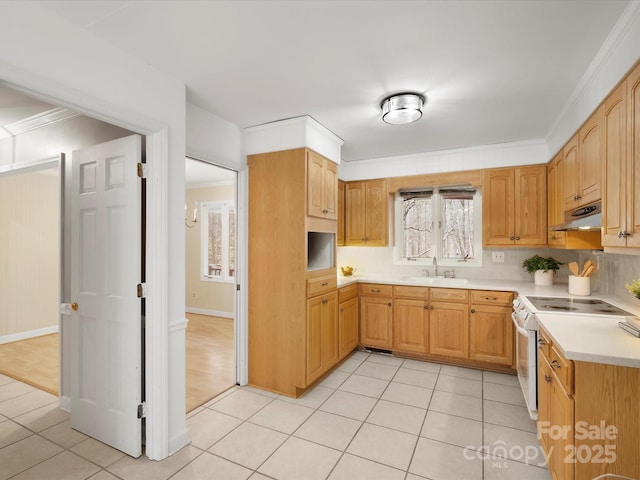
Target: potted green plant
542, 268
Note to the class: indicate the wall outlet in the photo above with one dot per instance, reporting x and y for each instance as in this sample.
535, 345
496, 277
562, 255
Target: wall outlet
497, 257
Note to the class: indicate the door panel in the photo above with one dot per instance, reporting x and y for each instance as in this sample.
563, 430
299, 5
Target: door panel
106, 336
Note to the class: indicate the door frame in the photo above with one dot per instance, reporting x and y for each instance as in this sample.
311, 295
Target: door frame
158, 413
240, 323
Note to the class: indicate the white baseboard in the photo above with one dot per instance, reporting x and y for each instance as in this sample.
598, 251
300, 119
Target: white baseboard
30, 334
212, 313
65, 404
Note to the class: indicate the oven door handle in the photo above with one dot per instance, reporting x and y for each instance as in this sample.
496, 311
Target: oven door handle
518, 327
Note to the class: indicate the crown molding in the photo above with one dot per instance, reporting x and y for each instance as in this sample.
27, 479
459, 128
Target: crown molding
37, 121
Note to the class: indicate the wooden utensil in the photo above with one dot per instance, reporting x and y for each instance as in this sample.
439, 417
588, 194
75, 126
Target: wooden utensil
589, 271
585, 267
574, 268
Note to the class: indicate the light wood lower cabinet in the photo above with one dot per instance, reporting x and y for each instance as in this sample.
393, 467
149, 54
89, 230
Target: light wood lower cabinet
410, 325
376, 316
587, 415
490, 327
322, 334
449, 329
348, 332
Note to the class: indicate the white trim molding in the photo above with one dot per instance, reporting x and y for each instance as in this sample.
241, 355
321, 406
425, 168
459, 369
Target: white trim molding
211, 313
29, 334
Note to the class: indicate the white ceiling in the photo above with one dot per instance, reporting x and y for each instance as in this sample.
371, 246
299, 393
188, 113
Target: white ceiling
493, 71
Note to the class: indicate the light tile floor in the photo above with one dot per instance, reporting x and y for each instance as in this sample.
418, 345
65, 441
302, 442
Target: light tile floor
375, 417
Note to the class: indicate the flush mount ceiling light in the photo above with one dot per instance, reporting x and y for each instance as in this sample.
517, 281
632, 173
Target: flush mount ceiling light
402, 108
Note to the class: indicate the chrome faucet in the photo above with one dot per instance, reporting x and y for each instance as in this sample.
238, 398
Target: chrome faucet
435, 264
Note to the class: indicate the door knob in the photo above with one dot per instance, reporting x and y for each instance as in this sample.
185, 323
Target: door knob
74, 306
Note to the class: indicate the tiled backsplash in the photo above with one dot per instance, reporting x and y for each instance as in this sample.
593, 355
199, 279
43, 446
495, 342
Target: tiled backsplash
613, 271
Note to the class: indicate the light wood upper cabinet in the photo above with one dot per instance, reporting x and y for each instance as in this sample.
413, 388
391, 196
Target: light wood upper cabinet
583, 164
366, 217
555, 201
616, 169
340, 240
322, 187
621, 126
514, 211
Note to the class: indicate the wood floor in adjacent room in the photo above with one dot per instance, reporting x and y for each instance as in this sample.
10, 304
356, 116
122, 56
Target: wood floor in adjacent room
209, 360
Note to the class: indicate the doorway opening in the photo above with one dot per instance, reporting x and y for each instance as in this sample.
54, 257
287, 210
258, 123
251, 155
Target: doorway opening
30, 206
210, 276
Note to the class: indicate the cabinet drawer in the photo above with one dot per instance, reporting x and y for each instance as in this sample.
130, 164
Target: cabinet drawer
489, 297
449, 294
347, 293
410, 292
316, 286
562, 368
544, 343
375, 289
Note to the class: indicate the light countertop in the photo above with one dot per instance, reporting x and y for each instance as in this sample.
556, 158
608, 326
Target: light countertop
588, 338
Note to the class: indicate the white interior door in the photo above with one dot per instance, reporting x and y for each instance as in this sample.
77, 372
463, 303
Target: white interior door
106, 269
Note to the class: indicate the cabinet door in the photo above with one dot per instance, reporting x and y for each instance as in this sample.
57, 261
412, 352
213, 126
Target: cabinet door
354, 215
531, 205
544, 401
555, 204
633, 141
449, 329
340, 217
561, 417
497, 209
315, 184
570, 174
491, 334
348, 327
314, 338
330, 331
376, 213
616, 179
590, 159
376, 314
410, 325
330, 190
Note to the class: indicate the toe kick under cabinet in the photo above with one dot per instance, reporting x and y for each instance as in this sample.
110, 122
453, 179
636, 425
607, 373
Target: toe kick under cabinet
467, 327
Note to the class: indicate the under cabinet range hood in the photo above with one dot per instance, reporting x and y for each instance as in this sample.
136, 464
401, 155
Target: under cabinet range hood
588, 217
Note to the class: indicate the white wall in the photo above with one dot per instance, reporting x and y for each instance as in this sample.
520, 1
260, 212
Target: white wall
213, 139
484, 156
65, 65
618, 54
30, 254
203, 296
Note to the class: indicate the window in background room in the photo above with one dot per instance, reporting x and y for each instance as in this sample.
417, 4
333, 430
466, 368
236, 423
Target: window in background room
439, 222
219, 241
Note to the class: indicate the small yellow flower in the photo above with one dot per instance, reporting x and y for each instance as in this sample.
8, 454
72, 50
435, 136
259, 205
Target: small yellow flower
634, 287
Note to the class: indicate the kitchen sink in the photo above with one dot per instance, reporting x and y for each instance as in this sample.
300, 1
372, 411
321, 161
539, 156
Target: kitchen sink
435, 280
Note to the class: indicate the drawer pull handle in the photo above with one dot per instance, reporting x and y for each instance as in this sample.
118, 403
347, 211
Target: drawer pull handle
547, 378
493, 299
375, 291
555, 364
541, 343
473, 310
389, 304
325, 284
431, 307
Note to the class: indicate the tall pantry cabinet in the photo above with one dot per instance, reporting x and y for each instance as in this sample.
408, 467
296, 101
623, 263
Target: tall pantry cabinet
293, 300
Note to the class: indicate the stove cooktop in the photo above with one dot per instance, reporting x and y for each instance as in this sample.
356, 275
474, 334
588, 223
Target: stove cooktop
589, 306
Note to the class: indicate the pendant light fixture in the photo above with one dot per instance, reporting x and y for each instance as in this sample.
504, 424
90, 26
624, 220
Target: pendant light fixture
402, 108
